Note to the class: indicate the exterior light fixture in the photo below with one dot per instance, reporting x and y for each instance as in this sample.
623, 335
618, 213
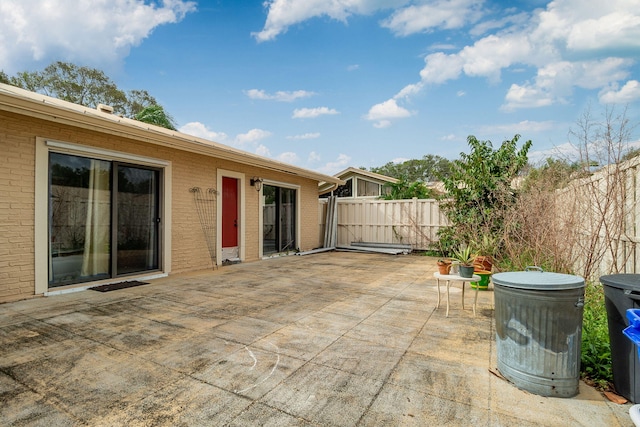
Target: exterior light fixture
256, 183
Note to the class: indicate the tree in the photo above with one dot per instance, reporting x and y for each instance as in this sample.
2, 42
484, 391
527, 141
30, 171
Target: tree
429, 168
156, 115
138, 100
402, 190
90, 87
4, 78
480, 190
80, 85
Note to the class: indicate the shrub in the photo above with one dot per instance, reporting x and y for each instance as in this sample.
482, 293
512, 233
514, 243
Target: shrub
595, 350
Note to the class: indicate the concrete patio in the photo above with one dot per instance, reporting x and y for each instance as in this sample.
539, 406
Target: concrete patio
332, 339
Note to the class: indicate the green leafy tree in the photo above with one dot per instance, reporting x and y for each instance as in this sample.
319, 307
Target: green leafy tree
553, 174
156, 115
429, 168
480, 190
90, 87
138, 100
4, 78
408, 190
80, 85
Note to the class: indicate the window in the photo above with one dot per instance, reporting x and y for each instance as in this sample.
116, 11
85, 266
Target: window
104, 219
345, 190
368, 188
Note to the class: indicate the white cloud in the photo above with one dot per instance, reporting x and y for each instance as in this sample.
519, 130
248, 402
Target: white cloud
443, 14
289, 157
305, 136
249, 141
98, 33
526, 96
284, 13
251, 138
282, 96
409, 90
555, 82
599, 25
202, 131
570, 44
399, 160
353, 67
385, 111
488, 56
313, 157
441, 67
527, 126
628, 93
341, 163
484, 27
311, 113
263, 151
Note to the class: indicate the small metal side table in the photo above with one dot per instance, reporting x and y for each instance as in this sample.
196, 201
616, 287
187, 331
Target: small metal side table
455, 278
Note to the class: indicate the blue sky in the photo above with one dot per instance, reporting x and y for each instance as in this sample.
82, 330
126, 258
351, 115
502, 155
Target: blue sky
327, 84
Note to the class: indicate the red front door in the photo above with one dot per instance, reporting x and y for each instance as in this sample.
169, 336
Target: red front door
229, 212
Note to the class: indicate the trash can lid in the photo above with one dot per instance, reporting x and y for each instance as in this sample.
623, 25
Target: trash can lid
622, 281
538, 280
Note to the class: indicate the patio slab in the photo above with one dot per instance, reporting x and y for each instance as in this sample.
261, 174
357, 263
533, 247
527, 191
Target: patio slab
331, 339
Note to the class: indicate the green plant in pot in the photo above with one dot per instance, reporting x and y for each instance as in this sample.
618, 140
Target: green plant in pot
465, 256
485, 249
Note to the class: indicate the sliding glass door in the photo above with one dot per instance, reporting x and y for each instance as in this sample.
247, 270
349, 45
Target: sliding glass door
103, 219
138, 220
279, 219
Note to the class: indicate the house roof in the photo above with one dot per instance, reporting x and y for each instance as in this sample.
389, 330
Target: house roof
325, 187
16, 100
350, 171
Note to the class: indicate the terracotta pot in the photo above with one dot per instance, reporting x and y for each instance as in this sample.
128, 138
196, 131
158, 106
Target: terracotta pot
444, 267
483, 263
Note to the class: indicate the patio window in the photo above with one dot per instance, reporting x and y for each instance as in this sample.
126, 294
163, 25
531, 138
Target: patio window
104, 219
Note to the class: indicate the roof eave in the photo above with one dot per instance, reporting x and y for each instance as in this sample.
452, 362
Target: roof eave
20, 101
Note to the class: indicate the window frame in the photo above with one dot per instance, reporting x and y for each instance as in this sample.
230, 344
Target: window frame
41, 221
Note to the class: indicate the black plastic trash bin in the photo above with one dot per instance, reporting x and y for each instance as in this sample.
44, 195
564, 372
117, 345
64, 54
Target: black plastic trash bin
622, 292
539, 330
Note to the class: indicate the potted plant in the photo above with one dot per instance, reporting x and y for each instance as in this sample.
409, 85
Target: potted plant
443, 266
485, 249
465, 257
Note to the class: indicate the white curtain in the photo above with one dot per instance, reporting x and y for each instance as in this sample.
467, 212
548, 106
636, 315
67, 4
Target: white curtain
95, 259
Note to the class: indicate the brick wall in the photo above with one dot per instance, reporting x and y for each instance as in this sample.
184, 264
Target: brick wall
17, 177
189, 248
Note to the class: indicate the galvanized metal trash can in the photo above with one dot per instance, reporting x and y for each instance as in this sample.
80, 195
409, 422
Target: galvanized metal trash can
539, 330
621, 293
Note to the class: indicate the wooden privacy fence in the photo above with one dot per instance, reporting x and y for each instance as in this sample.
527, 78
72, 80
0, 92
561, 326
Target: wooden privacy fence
601, 219
413, 222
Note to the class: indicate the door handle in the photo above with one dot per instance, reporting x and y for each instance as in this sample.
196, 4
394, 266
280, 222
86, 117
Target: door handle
235, 222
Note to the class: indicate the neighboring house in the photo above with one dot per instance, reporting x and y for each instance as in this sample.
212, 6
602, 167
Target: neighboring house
87, 197
358, 184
